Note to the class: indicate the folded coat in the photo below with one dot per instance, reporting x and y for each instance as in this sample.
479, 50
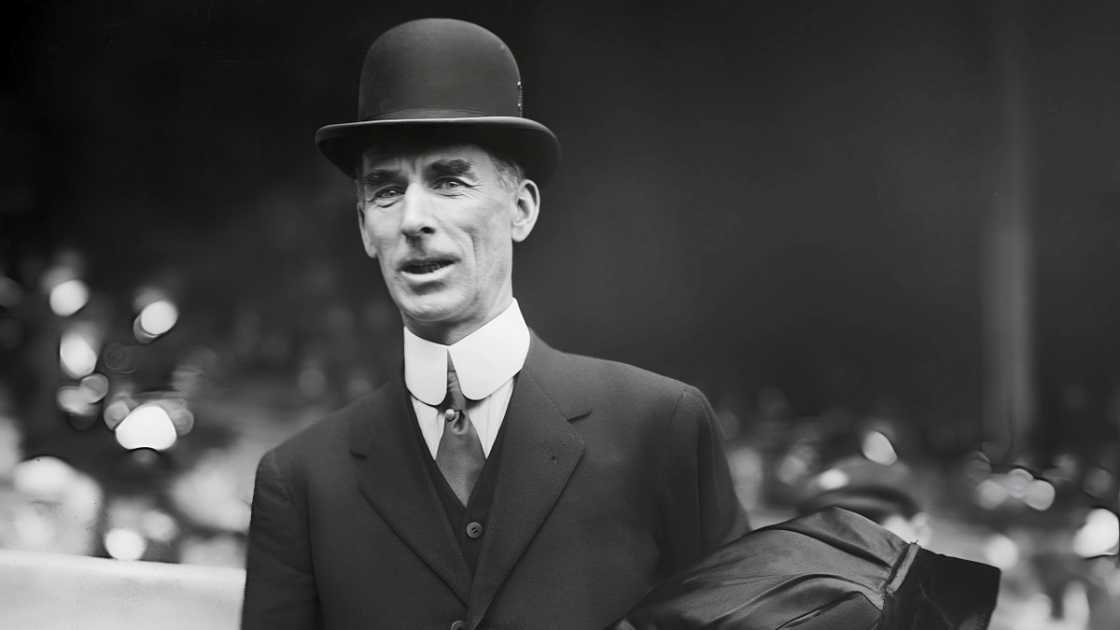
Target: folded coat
831, 570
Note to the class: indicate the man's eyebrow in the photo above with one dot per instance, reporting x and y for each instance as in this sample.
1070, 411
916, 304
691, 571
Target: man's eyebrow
380, 176
454, 166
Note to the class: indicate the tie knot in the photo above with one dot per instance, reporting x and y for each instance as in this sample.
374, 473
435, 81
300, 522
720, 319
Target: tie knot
455, 398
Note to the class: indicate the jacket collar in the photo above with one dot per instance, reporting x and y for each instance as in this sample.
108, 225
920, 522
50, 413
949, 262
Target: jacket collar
540, 453
393, 477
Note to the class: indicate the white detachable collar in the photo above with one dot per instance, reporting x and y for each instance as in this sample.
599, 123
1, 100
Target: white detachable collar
484, 360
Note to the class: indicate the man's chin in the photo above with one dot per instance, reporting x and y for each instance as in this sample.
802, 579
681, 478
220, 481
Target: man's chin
428, 310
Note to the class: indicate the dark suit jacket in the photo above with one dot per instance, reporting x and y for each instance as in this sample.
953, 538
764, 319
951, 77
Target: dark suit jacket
611, 479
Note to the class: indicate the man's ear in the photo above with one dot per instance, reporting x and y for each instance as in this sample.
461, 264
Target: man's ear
527, 207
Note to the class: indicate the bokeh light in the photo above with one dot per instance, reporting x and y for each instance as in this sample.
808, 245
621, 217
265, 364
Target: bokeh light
147, 426
1017, 480
115, 412
878, 448
42, 477
833, 478
1040, 495
125, 544
159, 526
95, 387
68, 297
1100, 535
213, 493
140, 334
990, 494
77, 351
74, 401
181, 417
157, 318
1001, 552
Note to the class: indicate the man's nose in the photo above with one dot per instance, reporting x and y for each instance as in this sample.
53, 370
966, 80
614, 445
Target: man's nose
416, 212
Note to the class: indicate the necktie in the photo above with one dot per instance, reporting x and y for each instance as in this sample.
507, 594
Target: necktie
459, 456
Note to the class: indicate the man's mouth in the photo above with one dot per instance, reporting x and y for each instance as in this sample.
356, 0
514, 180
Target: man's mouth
425, 266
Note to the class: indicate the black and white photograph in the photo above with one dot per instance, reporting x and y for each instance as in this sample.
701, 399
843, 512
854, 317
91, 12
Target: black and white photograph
551, 315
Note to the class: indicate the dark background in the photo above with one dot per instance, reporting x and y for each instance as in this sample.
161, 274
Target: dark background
752, 195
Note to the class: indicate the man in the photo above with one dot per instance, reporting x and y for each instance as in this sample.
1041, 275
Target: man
500, 483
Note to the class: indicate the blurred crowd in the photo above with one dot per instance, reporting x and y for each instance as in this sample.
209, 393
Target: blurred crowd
135, 436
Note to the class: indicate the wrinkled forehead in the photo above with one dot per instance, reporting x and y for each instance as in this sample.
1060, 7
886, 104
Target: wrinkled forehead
417, 156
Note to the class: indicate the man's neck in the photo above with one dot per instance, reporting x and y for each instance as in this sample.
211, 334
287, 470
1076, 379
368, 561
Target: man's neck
448, 334
485, 359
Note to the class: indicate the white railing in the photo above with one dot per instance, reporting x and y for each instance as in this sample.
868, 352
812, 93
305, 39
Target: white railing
41, 591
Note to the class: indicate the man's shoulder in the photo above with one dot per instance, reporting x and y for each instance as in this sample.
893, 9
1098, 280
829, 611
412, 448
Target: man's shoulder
329, 435
598, 377
626, 402
620, 373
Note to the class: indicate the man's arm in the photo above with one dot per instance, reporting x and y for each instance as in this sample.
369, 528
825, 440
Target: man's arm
279, 585
701, 510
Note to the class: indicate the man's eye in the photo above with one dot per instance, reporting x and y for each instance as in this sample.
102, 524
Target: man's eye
449, 183
388, 193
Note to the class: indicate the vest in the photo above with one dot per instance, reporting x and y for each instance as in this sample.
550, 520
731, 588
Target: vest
468, 522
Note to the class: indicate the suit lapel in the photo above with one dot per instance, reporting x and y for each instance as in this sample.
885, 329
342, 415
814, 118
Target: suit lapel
540, 452
393, 478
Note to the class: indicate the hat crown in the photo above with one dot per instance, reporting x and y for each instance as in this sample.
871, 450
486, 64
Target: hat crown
438, 68
441, 80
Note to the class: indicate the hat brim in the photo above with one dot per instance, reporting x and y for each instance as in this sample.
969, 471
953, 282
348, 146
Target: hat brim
532, 145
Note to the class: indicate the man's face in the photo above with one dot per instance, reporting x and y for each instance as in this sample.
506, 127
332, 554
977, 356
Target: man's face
442, 223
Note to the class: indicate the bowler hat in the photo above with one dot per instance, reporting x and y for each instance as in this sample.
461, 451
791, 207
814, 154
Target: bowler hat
437, 80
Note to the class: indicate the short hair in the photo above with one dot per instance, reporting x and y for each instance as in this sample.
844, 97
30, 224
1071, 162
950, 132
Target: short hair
510, 172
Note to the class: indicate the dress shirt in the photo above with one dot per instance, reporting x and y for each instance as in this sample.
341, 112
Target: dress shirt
485, 361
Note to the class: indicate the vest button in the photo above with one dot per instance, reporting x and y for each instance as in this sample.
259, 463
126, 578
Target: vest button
474, 530
458, 624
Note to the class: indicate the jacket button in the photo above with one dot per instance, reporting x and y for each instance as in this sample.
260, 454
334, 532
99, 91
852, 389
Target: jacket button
458, 624
474, 530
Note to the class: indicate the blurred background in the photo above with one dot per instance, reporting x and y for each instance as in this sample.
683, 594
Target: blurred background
881, 238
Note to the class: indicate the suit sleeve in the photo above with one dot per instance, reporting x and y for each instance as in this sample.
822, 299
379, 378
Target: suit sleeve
700, 508
279, 585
